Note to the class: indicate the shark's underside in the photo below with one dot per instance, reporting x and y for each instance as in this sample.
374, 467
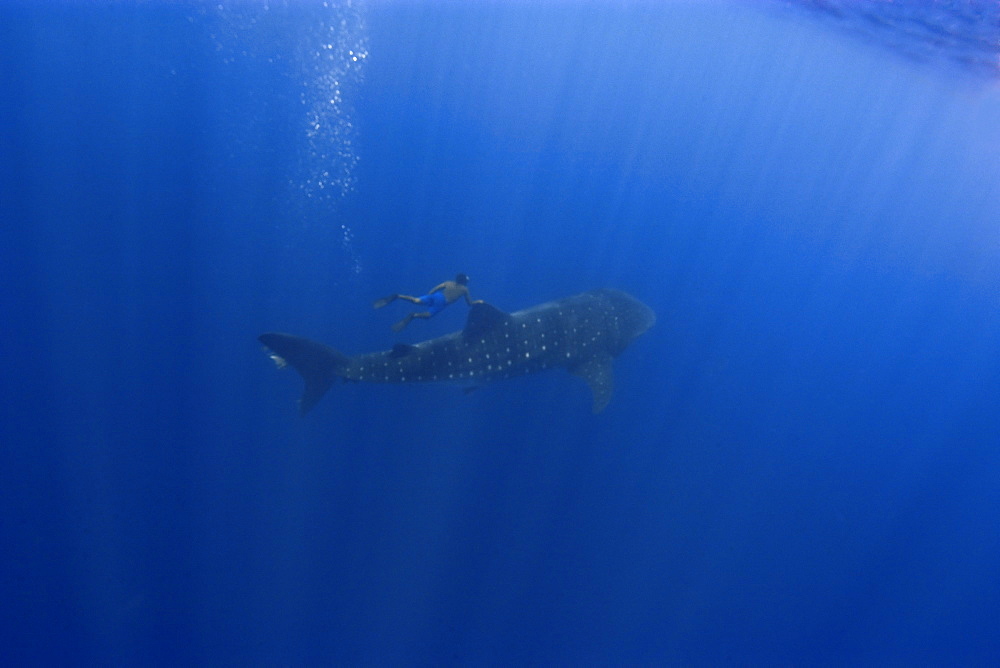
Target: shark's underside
582, 333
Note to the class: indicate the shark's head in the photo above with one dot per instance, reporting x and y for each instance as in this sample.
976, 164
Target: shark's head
630, 317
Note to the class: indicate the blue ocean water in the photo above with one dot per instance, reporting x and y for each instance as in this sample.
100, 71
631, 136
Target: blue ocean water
800, 464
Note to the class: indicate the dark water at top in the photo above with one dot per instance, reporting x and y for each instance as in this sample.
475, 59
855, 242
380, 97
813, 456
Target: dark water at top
800, 462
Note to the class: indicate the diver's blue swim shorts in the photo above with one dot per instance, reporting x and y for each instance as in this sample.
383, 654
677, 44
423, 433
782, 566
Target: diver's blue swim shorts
435, 302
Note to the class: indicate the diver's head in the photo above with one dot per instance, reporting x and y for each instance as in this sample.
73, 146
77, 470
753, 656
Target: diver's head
462, 279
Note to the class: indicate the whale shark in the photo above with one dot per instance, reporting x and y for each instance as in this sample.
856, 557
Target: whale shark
582, 334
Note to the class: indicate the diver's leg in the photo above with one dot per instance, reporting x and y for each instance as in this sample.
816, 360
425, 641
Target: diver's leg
415, 300
401, 325
379, 303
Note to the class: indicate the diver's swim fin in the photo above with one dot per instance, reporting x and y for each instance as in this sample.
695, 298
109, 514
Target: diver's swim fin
379, 303
401, 325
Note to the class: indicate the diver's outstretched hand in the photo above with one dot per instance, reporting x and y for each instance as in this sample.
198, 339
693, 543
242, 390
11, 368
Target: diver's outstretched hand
379, 303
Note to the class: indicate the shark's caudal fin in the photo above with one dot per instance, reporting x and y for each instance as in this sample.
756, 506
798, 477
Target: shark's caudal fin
319, 365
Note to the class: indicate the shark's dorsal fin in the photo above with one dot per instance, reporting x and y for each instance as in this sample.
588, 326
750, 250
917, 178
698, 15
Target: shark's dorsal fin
401, 350
484, 317
598, 373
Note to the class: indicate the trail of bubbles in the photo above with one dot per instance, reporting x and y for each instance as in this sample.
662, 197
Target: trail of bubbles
332, 59
324, 47
333, 64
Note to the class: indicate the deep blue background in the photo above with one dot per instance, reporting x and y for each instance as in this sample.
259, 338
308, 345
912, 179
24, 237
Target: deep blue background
800, 463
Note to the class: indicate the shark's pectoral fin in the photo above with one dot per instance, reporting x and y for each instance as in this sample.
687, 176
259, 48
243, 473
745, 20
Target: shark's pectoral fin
483, 318
598, 373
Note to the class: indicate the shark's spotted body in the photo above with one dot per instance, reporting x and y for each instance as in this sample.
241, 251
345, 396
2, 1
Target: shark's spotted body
582, 333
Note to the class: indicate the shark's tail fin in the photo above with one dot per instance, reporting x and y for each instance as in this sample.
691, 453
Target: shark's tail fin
319, 365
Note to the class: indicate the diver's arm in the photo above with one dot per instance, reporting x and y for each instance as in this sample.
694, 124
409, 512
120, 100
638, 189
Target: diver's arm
470, 301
